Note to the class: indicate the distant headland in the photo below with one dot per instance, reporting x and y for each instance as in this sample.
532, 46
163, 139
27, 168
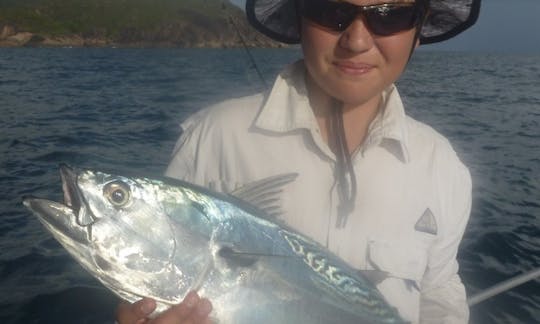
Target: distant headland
126, 23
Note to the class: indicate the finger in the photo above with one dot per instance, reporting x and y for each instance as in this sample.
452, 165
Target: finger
137, 312
179, 313
201, 311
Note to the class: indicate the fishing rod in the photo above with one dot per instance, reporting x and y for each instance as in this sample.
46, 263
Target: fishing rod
503, 286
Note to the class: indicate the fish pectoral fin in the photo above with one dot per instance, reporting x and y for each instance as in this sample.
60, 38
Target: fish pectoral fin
265, 194
237, 259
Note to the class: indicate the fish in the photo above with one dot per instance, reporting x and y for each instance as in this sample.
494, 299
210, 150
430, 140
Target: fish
161, 238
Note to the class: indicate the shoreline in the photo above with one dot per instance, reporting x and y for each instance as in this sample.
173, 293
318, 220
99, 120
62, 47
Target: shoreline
11, 38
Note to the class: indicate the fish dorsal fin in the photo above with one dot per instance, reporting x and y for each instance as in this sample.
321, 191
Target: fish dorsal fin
265, 194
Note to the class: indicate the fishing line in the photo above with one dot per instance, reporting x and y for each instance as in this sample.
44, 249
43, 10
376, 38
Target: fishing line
246, 48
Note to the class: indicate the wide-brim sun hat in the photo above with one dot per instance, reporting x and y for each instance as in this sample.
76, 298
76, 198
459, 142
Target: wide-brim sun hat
277, 19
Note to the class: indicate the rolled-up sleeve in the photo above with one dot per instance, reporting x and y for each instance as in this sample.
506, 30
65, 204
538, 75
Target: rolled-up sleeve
443, 296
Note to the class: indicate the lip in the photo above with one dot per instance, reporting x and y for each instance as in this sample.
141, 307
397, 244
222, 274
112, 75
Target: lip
353, 68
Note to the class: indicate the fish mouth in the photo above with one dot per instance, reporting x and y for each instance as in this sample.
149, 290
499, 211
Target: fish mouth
69, 219
72, 197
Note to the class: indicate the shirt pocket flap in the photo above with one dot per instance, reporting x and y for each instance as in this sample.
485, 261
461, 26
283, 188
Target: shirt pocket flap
398, 260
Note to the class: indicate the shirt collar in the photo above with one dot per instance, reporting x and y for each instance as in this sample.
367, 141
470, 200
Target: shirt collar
389, 128
287, 106
287, 109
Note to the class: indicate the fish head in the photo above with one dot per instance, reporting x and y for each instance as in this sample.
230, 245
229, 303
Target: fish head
121, 229
125, 222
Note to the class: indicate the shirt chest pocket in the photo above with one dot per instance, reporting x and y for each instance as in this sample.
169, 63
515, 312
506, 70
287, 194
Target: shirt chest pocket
399, 260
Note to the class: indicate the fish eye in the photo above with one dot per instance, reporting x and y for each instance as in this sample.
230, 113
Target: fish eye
117, 193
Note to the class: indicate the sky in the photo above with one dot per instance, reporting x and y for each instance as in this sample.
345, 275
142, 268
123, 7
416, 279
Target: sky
511, 26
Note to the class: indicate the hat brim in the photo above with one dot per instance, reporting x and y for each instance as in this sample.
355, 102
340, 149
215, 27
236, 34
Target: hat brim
447, 18
278, 19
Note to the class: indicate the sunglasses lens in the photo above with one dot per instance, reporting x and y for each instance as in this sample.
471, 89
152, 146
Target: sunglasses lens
330, 14
386, 21
382, 20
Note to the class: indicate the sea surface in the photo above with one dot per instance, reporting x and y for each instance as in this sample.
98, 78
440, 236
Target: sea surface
119, 109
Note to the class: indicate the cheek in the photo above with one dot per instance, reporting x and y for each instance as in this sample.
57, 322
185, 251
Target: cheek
316, 42
396, 49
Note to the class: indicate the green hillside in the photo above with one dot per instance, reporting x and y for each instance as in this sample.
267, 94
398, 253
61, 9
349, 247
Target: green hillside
126, 22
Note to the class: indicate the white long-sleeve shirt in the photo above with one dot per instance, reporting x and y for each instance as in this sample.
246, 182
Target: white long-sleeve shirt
412, 203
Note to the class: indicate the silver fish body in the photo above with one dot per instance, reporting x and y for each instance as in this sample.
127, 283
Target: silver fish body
162, 238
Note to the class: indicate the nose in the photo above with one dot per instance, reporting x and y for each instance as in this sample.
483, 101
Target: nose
357, 37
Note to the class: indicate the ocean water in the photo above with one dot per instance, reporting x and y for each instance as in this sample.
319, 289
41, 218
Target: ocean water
120, 108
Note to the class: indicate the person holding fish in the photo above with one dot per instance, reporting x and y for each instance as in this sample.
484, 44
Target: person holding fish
384, 192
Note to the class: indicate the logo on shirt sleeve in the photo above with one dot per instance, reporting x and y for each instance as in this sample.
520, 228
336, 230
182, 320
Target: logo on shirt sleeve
426, 223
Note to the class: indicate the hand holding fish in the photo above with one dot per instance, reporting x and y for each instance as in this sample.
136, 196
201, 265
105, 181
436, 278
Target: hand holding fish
192, 310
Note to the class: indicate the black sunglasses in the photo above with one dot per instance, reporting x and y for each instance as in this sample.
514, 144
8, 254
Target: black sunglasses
381, 19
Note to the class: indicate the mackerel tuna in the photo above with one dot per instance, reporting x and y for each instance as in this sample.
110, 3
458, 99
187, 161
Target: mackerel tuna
163, 238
